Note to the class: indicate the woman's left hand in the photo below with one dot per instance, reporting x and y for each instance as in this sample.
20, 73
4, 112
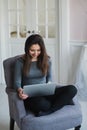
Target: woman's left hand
21, 94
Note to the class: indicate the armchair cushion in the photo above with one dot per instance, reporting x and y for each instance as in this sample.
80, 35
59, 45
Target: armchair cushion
65, 118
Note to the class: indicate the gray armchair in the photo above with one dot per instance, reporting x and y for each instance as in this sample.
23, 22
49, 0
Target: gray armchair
68, 117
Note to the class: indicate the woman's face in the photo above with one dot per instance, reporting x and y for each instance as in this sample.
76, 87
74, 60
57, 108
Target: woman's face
35, 51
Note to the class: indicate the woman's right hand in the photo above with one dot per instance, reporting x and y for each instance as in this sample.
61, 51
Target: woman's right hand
21, 94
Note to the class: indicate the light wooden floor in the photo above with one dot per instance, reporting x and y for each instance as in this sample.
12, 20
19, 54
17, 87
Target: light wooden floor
4, 116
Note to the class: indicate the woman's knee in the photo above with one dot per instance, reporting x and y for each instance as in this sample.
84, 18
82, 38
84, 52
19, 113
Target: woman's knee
72, 90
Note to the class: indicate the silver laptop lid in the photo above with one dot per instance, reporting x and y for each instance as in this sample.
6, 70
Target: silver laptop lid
40, 89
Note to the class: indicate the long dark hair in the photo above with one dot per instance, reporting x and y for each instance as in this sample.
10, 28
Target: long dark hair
42, 62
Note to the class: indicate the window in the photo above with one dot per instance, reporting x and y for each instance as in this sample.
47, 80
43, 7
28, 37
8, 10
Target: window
17, 18
42, 21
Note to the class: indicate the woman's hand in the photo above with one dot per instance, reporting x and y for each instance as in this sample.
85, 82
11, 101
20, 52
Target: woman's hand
21, 94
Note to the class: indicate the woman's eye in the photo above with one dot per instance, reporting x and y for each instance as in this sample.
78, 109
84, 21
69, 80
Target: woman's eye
35, 50
32, 50
38, 50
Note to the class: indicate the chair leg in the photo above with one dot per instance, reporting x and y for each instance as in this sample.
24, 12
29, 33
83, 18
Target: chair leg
12, 124
78, 127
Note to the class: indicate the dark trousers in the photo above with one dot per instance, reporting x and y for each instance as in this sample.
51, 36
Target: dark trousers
61, 97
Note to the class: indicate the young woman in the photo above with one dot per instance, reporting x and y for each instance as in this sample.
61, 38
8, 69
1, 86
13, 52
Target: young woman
35, 67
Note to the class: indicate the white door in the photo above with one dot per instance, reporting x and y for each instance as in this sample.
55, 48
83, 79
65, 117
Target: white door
33, 16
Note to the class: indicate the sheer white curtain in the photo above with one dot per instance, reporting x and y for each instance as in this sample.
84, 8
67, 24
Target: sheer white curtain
81, 77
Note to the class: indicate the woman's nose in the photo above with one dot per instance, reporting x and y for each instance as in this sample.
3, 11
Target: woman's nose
35, 52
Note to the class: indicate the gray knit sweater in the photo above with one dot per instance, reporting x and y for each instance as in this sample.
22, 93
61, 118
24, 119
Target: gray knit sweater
34, 76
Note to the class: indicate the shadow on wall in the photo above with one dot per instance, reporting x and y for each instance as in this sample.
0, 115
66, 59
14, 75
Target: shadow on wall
4, 126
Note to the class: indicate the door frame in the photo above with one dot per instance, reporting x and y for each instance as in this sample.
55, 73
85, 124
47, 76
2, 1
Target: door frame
63, 46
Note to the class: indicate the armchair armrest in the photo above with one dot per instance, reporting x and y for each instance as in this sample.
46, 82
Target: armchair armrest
16, 107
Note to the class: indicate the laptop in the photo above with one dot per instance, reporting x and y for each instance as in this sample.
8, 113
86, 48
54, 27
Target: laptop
39, 89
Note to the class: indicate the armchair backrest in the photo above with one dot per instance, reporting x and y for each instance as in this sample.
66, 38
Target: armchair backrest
8, 65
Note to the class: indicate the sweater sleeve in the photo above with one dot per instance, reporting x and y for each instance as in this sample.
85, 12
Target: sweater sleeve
18, 74
49, 73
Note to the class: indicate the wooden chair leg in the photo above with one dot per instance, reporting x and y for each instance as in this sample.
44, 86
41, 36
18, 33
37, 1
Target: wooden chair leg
12, 124
78, 127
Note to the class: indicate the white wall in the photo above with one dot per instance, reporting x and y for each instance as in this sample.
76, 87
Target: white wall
78, 20
77, 34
